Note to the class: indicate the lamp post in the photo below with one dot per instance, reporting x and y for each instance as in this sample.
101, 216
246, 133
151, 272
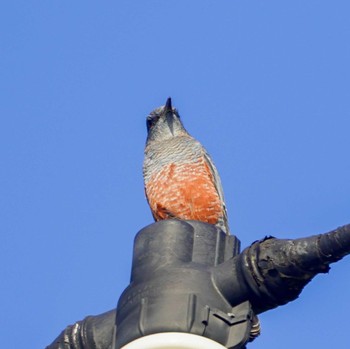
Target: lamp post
192, 288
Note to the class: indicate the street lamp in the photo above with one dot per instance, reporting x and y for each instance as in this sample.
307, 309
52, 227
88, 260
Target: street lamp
192, 288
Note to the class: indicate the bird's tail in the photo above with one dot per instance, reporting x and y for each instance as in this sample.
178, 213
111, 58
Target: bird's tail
223, 224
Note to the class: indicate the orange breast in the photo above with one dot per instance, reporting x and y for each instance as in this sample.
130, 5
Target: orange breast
184, 191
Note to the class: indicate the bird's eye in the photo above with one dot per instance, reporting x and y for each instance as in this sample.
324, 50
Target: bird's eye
151, 121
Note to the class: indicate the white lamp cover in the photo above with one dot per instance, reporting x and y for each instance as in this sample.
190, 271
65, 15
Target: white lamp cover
173, 340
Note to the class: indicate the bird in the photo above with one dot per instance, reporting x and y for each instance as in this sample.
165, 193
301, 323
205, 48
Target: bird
180, 178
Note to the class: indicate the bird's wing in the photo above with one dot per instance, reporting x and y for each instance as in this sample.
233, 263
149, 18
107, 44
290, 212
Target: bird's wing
218, 186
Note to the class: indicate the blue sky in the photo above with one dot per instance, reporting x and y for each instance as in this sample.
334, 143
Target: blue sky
264, 85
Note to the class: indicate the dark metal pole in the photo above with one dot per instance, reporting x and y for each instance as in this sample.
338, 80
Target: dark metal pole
272, 272
188, 277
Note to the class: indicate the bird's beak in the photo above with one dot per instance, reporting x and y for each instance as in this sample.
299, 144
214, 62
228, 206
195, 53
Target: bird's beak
168, 107
168, 111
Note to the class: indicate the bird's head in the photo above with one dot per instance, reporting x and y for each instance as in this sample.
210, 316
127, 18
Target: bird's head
164, 123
